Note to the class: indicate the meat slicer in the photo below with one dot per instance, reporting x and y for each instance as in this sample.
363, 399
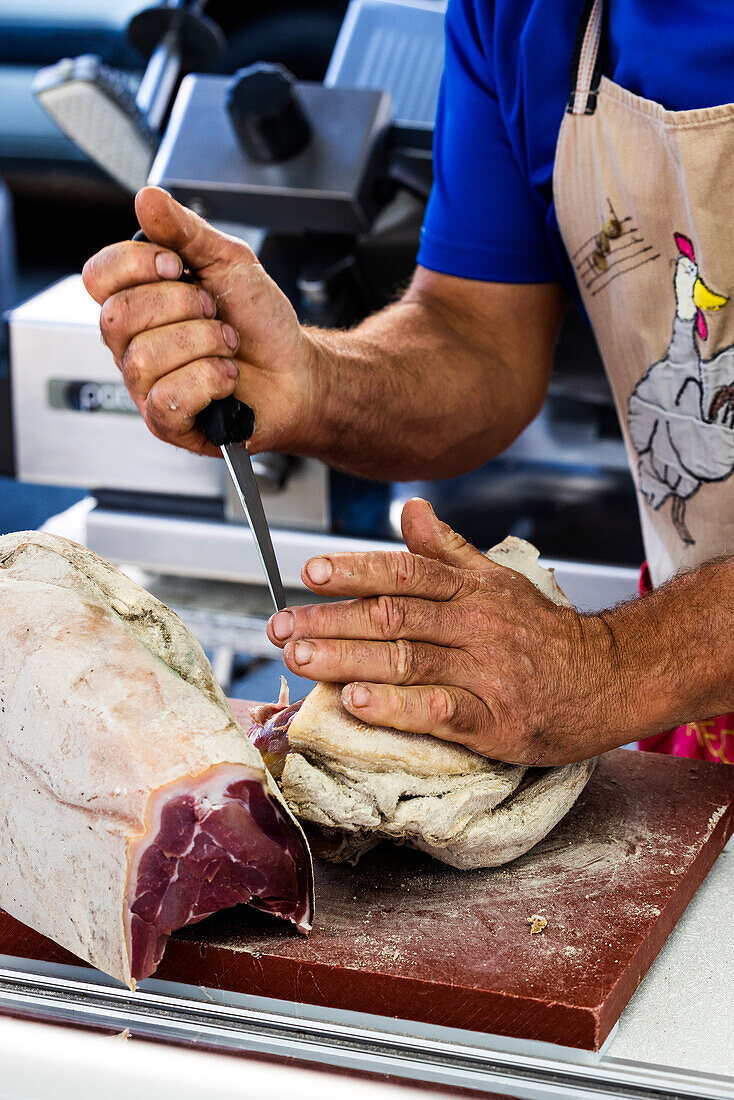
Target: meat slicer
333, 212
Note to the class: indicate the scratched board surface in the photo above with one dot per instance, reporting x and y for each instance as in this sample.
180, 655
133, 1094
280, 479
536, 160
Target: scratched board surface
404, 936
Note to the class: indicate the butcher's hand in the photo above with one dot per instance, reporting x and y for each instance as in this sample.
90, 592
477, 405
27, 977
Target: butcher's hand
181, 346
441, 640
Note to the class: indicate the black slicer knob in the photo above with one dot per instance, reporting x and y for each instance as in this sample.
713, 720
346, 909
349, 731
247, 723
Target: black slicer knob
266, 113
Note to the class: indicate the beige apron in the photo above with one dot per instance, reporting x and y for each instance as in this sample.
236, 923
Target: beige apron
645, 204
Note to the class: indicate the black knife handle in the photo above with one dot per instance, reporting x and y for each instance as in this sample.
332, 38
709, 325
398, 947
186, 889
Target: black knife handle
224, 421
227, 421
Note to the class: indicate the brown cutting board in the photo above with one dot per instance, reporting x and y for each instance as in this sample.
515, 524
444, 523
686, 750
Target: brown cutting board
404, 936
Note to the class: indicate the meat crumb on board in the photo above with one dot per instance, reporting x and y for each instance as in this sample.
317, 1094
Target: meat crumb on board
537, 923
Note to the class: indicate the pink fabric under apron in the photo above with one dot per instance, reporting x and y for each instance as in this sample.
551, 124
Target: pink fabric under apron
708, 739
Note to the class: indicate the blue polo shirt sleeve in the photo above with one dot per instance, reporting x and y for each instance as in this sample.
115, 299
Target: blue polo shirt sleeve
483, 220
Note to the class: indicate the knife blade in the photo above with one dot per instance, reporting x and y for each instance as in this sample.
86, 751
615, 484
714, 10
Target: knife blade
228, 424
239, 465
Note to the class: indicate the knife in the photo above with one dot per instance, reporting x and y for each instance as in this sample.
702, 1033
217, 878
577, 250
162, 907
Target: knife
228, 424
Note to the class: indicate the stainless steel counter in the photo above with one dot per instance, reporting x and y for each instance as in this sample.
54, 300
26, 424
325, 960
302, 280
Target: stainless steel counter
683, 1013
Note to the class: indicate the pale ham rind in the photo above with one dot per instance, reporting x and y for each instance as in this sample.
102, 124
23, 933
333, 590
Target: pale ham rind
125, 782
361, 784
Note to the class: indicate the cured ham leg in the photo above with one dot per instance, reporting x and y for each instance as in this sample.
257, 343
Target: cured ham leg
131, 801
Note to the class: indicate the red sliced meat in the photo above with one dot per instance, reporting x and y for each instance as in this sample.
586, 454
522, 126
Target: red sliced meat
211, 843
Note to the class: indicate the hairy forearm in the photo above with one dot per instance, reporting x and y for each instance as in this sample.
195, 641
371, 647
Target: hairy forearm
410, 393
674, 651
430, 387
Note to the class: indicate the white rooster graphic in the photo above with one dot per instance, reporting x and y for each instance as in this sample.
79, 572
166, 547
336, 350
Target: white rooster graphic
681, 413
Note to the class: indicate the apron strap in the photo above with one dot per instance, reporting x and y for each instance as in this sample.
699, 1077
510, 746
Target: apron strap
586, 64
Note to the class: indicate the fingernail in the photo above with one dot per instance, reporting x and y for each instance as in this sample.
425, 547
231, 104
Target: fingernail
283, 624
319, 570
361, 695
231, 368
207, 303
168, 265
302, 652
231, 338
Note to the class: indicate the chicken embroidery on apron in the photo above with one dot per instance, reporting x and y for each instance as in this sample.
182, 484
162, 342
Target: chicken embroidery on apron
681, 413
645, 204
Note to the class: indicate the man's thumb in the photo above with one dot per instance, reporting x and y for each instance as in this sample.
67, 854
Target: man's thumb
165, 221
425, 534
